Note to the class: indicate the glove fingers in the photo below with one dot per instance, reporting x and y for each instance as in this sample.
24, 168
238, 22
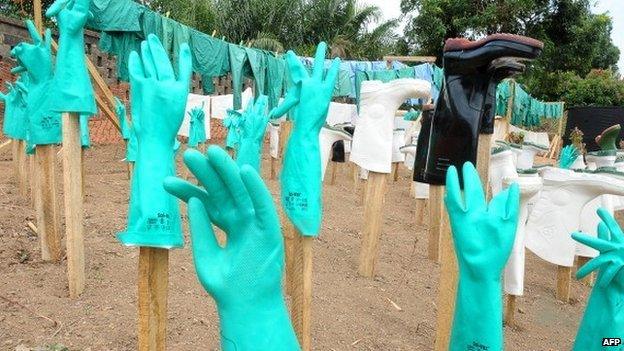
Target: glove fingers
204, 172
332, 75
206, 249
162, 65
473, 191
607, 274
185, 65
149, 66
229, 173
614, 227
591, 266
319, 61
34, 33
603, 232
264, 207
594, 243
453, 198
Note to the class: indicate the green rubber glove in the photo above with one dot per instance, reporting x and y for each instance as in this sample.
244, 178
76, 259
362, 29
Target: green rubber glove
15, 123
124, 125
245, 276
44, 125
411, 115
132, 146
232, 123
309, 98
197, 130
158, 102
483, 236
72, 86
85, 139
253, 127
604, 315
569, 154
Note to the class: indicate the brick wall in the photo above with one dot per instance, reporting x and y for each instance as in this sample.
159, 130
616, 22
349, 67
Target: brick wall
12, 32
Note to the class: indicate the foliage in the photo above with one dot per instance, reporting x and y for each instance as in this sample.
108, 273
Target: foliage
276, 25
198, 14
599, 88
576, 41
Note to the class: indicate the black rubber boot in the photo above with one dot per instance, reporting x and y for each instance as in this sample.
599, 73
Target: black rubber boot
470, 72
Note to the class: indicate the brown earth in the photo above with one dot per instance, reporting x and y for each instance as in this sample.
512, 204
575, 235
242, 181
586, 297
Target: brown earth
349, 312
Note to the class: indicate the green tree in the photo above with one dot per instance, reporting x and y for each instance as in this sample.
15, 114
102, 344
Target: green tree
574, 38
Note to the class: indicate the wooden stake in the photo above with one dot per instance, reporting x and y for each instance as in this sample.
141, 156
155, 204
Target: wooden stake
15, 155
153, 283
46, 205
436, 211
22, 164
589, 279
448, 262
448, 283
333, 166
32, 178
273, 174
395, 171
510, 311
37, 15
373, 213
289, 253
421, 208
72, 187
301, 309
564, 281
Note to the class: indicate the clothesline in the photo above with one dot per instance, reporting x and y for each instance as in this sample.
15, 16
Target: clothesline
526, 110
125, 23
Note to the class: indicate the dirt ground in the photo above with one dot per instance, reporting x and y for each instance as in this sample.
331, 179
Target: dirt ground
349, 312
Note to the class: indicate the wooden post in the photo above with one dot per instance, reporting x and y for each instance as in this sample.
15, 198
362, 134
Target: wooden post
22, 164
395, 171
46, 205
589, 279
447, 291
301, 289
31, 178
510, 311
436, 212
15, 155
421, 208
153, 283
38, 19
373, 218
273, 173
564, 281
72, 186
334, 170
448, 280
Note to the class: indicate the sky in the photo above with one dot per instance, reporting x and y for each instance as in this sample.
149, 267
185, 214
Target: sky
391, 9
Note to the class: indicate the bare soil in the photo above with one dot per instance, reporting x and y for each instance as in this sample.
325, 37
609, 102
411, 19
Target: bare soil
349, 312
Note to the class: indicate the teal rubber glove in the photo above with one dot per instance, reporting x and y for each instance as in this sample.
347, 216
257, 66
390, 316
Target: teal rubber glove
197, 130
411, 115
44, 125
245, 276
309, 98
132, 146
253, 127
232, 123
604, 314
15, 123
158, 102
85, 139
73, 91
569, 154
124, 125
483, 236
